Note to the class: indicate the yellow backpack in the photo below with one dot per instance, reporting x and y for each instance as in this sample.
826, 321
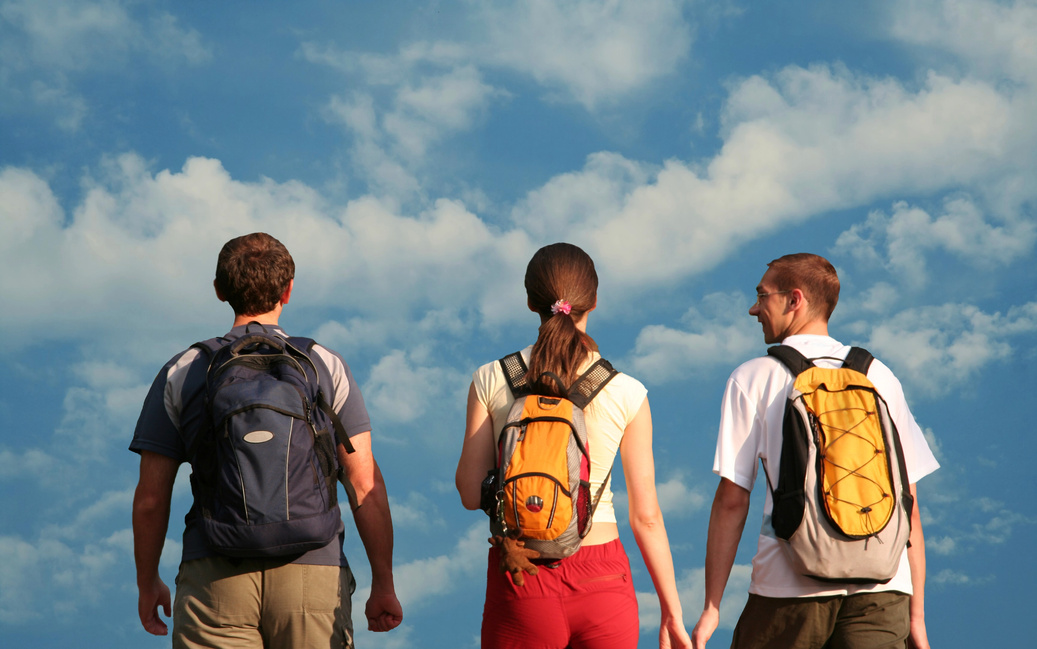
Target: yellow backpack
843, 504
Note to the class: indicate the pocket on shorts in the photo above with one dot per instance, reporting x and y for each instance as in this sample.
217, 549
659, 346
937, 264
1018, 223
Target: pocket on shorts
607, 582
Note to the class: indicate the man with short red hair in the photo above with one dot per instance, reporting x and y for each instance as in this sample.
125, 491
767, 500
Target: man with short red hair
794, 300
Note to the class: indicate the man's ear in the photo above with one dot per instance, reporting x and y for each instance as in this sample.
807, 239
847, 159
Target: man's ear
287, 292
219, 295
797, 300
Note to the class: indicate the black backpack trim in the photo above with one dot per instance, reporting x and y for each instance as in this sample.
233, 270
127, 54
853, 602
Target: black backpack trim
788, 497
581, 392
858, 358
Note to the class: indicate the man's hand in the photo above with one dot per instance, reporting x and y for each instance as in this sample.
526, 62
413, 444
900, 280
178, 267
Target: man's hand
918, 638
383, 611
152, 596
515, 558
703, 631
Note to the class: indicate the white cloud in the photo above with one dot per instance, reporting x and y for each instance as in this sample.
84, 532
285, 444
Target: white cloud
398, 391
47, 577
388, 69
435, 92
74, 35
717, 331
590, 51
940, 545
579, 201
691, 587
940, 348
879, 298
901, 240
678, 500
956, 578
423, 111
995, 38
48, 46
417, 513
33, 462
421, 581
69, 108
798, 144
140, 248
435, 107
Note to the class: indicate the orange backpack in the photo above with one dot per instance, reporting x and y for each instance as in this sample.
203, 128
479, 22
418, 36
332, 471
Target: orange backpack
541, 484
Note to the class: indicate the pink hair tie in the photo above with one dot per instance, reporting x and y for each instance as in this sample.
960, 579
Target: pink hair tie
561, 306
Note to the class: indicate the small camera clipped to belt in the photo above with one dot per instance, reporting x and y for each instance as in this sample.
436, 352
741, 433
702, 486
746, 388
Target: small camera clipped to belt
488, 493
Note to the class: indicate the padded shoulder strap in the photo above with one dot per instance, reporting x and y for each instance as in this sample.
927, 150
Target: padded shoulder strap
211, 346
585, 388
859, 359
515, 372
300, 343
791, 358
306, 346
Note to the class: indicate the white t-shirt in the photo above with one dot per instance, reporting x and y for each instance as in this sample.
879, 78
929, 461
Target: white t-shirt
751, 417
607, 416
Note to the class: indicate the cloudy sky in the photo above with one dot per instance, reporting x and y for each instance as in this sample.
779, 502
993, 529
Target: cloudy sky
413, 155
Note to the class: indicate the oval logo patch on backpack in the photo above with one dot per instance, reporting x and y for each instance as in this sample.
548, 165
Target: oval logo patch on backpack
534, 504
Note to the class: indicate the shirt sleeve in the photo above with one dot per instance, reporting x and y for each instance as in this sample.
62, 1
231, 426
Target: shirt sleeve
738, 439
345, 397
156, 431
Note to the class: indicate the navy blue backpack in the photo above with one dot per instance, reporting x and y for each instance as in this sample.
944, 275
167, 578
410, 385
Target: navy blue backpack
265, 467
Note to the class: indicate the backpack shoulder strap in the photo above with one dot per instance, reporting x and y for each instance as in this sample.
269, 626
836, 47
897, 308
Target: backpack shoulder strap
585, 388
791, 358
209, 347
305, 345
515, 369
859, 359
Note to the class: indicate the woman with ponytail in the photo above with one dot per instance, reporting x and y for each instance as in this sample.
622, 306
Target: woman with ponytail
586, 600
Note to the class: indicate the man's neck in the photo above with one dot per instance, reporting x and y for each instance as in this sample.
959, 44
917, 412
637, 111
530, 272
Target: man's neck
263, 319
809, 328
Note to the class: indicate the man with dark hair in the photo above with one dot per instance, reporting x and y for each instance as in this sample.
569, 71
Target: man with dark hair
786, 609
302, 600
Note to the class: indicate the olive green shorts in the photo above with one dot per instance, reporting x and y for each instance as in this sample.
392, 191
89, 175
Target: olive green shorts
861, 621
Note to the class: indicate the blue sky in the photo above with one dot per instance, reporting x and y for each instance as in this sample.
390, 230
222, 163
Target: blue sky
413, 155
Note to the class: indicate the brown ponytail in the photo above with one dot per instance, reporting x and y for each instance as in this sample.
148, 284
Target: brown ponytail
560, 271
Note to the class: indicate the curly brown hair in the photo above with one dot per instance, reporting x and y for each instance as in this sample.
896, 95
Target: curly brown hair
253, 272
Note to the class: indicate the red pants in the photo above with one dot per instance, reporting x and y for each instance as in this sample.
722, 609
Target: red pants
587, 601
